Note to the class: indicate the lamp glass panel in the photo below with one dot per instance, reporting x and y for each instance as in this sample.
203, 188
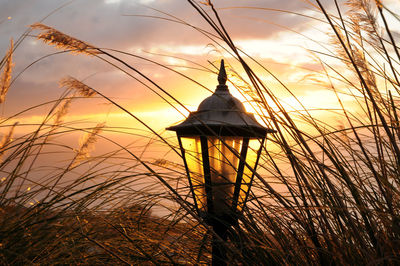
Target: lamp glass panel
251, 159
224, 164
194, 161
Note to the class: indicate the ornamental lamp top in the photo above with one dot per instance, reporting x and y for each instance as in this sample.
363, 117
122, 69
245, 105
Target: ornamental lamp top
221, 114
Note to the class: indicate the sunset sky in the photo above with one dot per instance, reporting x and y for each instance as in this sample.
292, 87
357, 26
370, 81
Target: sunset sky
280, 40
287, 37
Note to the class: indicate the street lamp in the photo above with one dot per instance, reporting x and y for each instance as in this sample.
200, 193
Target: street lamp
220, 145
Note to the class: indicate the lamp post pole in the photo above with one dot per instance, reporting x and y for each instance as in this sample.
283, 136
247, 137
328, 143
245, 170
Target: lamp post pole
218, 244
220, 145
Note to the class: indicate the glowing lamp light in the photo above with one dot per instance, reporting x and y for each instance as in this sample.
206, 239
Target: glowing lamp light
220, 145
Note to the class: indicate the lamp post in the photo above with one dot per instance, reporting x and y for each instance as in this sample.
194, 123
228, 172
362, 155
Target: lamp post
220, 145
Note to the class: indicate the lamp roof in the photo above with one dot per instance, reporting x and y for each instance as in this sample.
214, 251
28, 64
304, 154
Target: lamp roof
221, 114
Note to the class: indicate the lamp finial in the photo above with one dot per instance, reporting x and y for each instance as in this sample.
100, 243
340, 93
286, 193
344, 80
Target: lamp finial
222, 74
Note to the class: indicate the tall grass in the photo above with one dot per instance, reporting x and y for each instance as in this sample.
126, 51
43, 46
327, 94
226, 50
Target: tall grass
342, 182
324, 194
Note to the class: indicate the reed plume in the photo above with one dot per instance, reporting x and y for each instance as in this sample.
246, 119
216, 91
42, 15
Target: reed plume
355, 51
5, 78
7, 138
86, 144
63, 41
62, 111
74, 84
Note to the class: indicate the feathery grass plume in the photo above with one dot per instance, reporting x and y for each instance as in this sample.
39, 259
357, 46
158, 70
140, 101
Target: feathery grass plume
5, 78
362, 12
63, 41
62, 111
60, 114
74, 84
357, 54
7, 138
86, 144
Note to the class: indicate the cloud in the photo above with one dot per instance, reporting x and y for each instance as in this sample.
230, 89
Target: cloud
105, 23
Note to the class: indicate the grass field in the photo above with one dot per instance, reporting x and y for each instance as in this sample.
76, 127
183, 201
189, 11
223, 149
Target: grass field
324, 193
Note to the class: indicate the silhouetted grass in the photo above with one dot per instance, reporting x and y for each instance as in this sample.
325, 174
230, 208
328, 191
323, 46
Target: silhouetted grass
323, 194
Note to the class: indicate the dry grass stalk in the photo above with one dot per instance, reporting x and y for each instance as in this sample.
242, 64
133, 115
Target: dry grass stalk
5, 78
86, 144
74, 84
63, 41
7, 138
